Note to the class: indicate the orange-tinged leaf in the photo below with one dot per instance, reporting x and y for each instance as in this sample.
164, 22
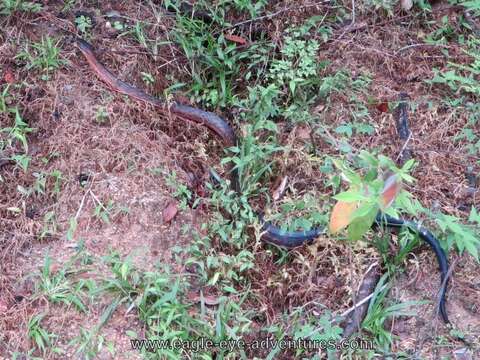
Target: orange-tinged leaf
341, 215
236, 39
9, 77
390, 191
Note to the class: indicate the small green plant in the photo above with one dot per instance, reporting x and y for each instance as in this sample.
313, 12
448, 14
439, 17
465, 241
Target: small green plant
465, 237
8, 7
251, 158
68, 5
4, 99
90, 342
382, 5
298, 66
379, 311
43, 56
83, 23
253, 7
318, 330
50, 225
104, 211
40, 337
56, 287
148, 78
366, 196
215, 62
461, 77
101, 115
354, 127
180, 191
17, 134
468, 133
306, 214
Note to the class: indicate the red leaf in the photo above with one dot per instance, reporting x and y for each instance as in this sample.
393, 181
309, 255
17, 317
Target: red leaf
390, 191
170, 211
236, 39
382, 107
8, 76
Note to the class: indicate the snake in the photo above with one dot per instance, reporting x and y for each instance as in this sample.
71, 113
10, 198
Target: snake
222, 129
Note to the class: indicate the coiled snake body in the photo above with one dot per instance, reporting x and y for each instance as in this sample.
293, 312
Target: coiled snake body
222, 129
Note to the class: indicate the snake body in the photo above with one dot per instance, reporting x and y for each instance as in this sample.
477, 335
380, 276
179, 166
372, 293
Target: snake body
225, 132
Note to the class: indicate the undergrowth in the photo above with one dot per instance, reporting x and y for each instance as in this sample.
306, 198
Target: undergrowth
271, 86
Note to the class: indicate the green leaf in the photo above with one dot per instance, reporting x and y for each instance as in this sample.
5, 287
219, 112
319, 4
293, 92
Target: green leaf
350, 196
361, 225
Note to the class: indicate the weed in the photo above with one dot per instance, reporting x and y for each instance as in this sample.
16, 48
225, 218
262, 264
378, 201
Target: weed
8, 7
215, 63
4, 97
318, 330
379, 312
180, 191
298, 66
17, 134
84, 24
108, 211
90, 342
43, 56
50, 226
40, 337
101, 115
57, 288
299, 214
382, 5
148, 78
461, 77
253, 7
68, 5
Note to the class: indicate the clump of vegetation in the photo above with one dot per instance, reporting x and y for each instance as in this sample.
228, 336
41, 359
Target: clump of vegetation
9, 7
43, 56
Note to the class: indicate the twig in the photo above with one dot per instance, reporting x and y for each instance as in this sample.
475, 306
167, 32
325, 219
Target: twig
361, 302
419, 45
403, 147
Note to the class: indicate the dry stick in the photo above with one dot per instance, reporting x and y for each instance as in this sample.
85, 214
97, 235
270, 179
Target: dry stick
367, 286
403, 147
362, 303
418, 45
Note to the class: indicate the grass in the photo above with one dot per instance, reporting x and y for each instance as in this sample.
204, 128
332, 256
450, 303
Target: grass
43, 56
306, 105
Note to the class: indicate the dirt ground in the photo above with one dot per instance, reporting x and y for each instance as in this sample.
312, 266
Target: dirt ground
126, 155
